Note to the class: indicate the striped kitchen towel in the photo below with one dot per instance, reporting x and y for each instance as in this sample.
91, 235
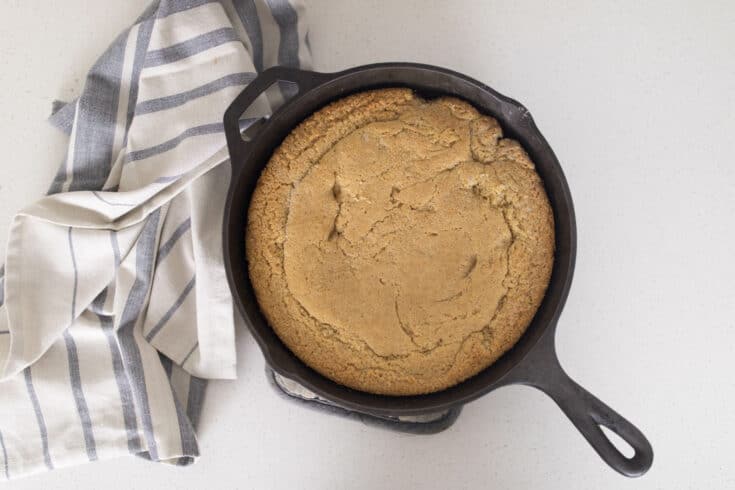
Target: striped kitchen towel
114, 305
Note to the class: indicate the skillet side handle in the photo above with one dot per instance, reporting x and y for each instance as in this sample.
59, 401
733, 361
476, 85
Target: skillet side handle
305, 80
541, 369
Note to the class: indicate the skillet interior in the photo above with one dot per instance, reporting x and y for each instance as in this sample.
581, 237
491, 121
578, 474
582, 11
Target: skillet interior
429, 82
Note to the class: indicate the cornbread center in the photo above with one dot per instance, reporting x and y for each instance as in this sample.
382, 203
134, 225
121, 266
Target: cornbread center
397, 245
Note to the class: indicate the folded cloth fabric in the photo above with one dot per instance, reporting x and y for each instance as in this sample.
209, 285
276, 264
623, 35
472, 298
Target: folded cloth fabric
115, 307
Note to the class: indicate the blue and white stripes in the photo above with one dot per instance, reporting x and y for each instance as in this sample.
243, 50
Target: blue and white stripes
114, 308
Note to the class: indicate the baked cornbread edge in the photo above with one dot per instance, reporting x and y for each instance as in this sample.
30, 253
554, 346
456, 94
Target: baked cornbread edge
530, 255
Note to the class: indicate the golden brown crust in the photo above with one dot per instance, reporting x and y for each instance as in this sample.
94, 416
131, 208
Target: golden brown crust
399, 246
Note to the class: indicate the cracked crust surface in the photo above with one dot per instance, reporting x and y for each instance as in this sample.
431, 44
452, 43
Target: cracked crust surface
399, 246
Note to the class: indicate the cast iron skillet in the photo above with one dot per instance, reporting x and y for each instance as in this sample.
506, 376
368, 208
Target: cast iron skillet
532, 361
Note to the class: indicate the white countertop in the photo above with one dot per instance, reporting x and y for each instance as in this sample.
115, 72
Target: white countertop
638, 103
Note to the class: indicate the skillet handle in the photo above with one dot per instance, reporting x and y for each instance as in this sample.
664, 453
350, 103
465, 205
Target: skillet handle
305, 80
541, 369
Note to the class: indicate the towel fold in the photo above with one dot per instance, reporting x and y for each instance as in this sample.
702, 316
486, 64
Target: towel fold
114, 305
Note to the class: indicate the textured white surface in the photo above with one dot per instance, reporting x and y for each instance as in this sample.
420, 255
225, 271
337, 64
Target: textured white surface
638, 103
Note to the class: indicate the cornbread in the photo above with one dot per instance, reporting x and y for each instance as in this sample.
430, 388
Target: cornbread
397, 245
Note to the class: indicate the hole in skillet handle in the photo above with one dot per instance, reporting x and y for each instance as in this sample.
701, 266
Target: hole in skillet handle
291, 81
542, 370
617, 441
